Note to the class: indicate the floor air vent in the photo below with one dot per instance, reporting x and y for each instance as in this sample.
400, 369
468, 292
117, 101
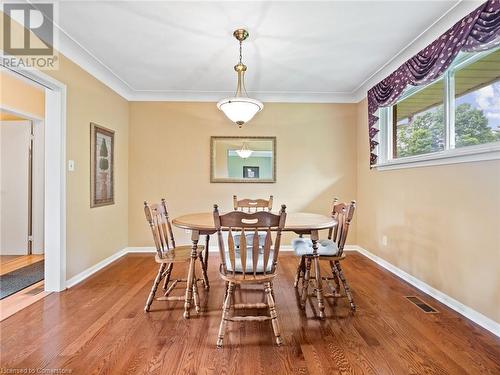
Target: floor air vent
422, 305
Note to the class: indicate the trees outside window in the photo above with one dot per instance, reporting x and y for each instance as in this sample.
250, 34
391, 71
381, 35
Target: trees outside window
426, 132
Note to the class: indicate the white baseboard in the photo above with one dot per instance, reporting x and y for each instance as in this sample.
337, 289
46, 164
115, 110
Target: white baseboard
452, 303
143, 249
469, 313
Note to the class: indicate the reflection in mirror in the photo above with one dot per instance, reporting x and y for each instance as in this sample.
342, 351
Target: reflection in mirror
243, 159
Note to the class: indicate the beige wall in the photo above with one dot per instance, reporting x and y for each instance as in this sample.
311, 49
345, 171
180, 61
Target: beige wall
93, 234
16, 93
442, 223
170, 148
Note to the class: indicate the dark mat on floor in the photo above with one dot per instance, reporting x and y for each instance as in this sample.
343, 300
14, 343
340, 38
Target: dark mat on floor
21, 278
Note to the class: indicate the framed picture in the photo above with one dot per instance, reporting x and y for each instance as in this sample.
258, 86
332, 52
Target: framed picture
250, 172
102, 165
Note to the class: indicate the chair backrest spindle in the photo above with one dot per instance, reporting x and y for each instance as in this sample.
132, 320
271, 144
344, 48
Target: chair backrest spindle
161, 228
344, 213
242, 222
332, 232
252, 205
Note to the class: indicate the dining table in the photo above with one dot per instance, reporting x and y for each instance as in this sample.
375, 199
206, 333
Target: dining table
202, 223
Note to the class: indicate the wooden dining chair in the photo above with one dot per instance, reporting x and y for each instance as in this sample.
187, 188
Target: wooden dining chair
331, 251
250, 266
252, 205
167, 253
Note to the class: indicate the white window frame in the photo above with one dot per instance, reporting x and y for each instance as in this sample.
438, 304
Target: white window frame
450, 155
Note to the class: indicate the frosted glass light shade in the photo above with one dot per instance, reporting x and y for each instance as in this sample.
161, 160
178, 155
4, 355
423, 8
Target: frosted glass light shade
240, 109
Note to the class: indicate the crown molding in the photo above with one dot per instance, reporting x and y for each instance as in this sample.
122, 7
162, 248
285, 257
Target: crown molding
78, 54
436, 29
264, 96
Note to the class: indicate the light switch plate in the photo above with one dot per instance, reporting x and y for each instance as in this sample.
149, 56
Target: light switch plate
71, 165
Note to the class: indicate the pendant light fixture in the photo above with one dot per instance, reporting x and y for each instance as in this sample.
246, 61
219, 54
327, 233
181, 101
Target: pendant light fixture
240, 109
244, 152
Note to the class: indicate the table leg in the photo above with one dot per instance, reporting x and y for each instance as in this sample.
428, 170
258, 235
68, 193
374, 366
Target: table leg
299, 272
195, 236
319, 281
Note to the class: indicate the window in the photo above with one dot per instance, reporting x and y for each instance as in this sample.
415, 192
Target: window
460, 113
477, 102
418, 122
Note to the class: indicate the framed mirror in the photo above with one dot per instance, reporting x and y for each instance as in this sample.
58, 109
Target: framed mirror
243, 159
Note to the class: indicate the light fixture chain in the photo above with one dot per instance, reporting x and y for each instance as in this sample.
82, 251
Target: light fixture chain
241, 49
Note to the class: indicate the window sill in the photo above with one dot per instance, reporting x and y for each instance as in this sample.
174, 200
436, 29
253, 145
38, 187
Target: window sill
468, 154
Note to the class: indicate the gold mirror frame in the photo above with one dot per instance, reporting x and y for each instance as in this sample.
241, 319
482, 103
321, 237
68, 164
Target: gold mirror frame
215, 179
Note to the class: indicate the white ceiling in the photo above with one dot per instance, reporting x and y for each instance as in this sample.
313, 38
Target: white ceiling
297, 51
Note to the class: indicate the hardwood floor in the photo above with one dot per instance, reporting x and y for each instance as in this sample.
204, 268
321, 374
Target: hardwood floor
99, 327
9, 263
18, 301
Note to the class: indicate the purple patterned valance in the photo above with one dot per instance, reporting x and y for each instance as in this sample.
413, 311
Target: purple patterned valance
479, 31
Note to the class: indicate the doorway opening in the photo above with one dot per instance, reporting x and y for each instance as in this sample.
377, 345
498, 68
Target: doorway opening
21, 199
42, 239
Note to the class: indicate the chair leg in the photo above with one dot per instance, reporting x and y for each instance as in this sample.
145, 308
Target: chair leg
225, 315
168, 272
319, 288
225, 291
196, 296
300, 270
156, 282
204, 263
272, 313
305, 282
335, 278
272, 290
345, 284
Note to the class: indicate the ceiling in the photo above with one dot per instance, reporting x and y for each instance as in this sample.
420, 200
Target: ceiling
299, 50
